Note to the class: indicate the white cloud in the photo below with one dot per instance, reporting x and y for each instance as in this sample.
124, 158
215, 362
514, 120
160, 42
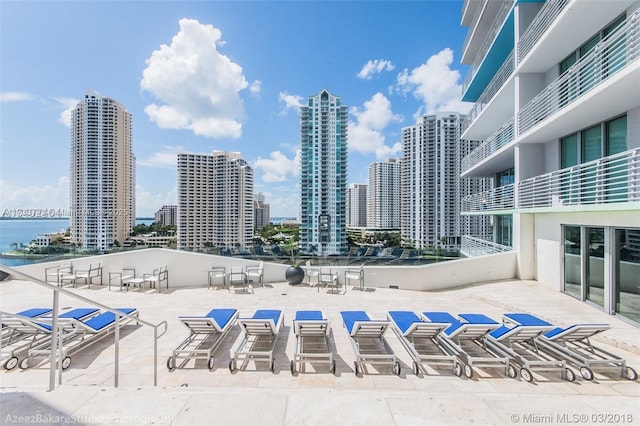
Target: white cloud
68, 104
435, 84
290, 101
167, 158
147, 203
278, 167
197, 87
16, 97
256, 87
283, 200
375, 67
365, 135
40, 197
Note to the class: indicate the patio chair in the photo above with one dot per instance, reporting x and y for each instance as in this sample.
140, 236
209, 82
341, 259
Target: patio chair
206, 333
58, 271
356, 274
329, 279
255, 273
217, 273
238, 275
87, 275
156, 278
368, 341
312, 340
420, 339
123, 278
311, 273
573, 344
259, 340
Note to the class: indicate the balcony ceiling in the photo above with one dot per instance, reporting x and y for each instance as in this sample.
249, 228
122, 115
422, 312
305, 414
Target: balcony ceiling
499, 110
577, 23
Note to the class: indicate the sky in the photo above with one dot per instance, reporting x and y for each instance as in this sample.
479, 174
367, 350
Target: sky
199, 76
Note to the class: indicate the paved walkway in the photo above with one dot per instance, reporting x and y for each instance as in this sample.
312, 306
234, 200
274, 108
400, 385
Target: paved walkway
254, 396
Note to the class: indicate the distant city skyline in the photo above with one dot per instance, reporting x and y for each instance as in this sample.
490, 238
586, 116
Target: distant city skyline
204, 76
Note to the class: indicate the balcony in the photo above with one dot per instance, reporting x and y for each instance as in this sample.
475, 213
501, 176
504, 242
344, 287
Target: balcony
615, 53
500, 138
545, 17
613, 179
487, 202
473, 247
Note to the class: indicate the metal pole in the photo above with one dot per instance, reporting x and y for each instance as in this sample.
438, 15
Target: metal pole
54, 341
117, 352
155, 356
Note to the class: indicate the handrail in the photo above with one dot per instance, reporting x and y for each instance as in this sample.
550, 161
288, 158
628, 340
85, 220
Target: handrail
56, 330
497, 140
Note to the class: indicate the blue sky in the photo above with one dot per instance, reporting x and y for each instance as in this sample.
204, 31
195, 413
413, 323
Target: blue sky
216, 75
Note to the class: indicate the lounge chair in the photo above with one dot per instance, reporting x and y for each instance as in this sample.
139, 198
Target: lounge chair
259, 339
356, 274
312, 340
79, 334
24, 332
255, 273
573, 345
368, 342
464, 338
206, 333
518, 342
420, 339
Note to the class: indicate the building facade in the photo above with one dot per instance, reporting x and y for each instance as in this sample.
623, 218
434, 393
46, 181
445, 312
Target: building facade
356, 205
215, 201
167, 215
261, 214
557, 106
383, 196
323, 181
102, 175
431, 187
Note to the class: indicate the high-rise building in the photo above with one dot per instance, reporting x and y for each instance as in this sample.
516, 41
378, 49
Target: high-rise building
356, 205
383, 199
215, 200
260, 211
167, 215
102, 175
431, 188
557, 108
323, 143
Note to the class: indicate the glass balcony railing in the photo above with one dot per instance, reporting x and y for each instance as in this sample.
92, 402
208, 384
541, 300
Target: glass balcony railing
500, 138
543, 20
611, 55
472, 247
501, 198
613, 179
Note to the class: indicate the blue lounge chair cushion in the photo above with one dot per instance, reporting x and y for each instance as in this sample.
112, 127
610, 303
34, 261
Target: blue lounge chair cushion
221, 316
527, 319
105, 319
351, 317
592, 329
272, 314
500, 331
309, 315
34, 312
78, 313
404, 319
477, 319
444, 317
552, 333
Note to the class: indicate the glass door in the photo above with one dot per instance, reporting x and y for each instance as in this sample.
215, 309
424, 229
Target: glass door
572, 269
595, 266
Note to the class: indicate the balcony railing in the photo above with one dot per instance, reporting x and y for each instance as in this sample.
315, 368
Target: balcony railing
498, 80
500, 138
501, 16
612, 54
613, 179
543, 20
472, 26
472, 247
501, 198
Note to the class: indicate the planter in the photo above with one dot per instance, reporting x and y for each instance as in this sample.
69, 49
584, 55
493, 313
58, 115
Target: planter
294, 275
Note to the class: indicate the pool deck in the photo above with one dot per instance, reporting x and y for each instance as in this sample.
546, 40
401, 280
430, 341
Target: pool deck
255, 396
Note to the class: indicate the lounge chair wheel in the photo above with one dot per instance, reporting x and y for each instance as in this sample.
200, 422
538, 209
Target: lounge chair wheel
397, 369
526, 375
512, 372
416, 368
457, 369
333, 366
232, 365
66, 362
569, 375
356, 369
272, 365
171, 363
630, 373
293, 367
587, 373
468, 371
11, 363
210, 363
24, 364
